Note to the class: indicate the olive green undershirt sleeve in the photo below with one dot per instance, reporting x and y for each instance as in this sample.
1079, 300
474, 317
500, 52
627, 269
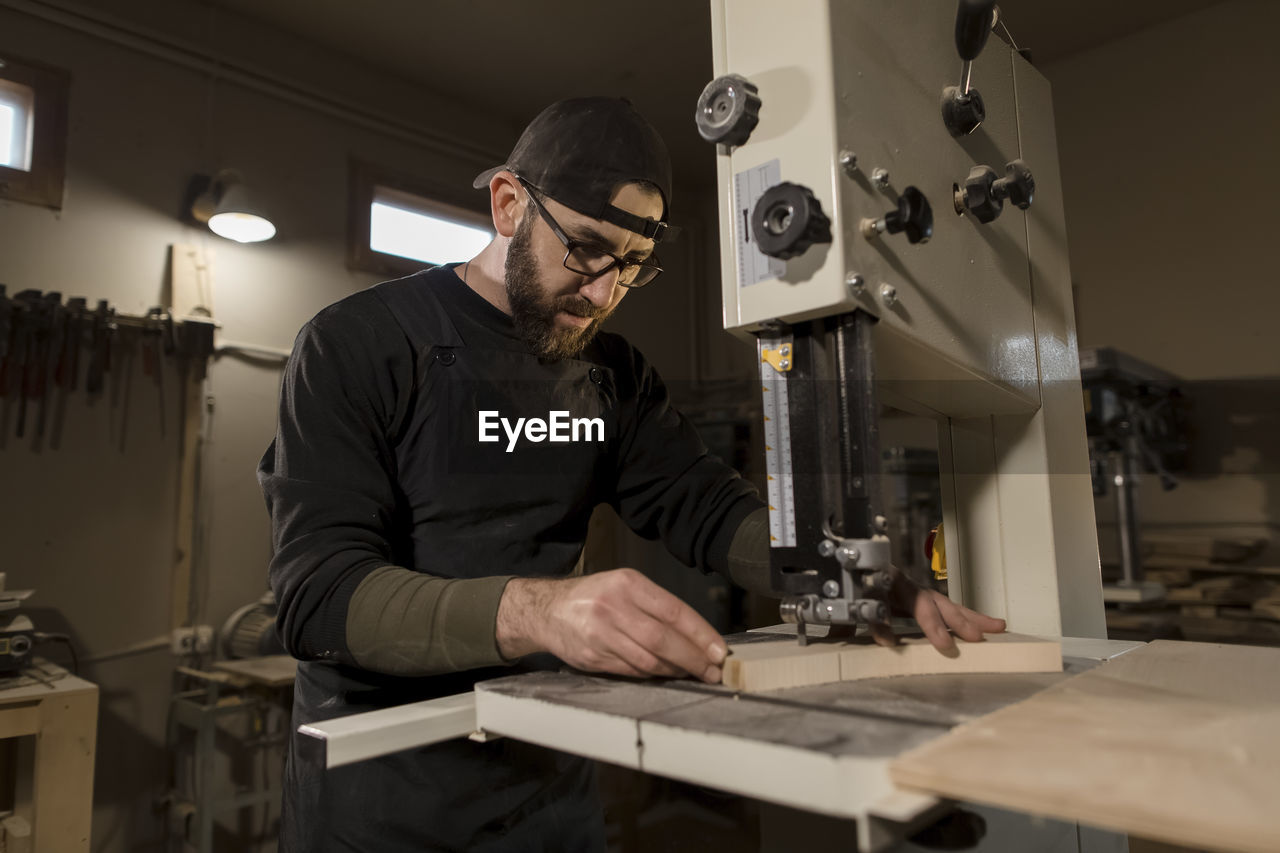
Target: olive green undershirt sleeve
749, 554
402, 622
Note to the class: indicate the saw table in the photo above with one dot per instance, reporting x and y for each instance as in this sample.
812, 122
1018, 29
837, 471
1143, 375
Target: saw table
824, 748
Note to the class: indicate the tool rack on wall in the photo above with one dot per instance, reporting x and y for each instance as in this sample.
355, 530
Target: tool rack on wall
50, 348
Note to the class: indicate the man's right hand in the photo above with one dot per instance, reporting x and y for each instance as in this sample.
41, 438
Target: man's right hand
617, 621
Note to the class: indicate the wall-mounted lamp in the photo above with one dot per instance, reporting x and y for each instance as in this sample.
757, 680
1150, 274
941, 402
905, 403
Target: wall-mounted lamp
223, 203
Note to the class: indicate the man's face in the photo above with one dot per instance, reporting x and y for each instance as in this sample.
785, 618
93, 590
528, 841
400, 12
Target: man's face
557, 311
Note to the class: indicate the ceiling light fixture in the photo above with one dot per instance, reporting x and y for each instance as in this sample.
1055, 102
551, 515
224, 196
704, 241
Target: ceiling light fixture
224, 204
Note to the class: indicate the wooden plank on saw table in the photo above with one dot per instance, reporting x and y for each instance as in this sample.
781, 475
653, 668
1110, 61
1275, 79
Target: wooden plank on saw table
781, 663
1173, 741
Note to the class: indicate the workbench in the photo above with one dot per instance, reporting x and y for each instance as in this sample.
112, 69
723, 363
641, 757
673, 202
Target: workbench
55, 722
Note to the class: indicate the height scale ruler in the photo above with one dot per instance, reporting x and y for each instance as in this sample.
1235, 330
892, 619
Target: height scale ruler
775, 361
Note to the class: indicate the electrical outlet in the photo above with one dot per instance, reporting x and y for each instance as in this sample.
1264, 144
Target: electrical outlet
196, 640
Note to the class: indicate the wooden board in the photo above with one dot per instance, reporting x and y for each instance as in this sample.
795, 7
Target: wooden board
190, 294
1174, 741
775, 664
1195, 565
1268, 608
1227, 549
1168, 577
1228, 589
272, 670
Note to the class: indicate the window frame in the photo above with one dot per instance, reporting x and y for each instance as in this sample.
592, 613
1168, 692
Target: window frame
366, 179
43, 184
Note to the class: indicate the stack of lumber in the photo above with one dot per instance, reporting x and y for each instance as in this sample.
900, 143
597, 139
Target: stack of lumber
1163, 550
1214, 594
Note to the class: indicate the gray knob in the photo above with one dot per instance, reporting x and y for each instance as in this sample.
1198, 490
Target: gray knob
872, 611
728, 110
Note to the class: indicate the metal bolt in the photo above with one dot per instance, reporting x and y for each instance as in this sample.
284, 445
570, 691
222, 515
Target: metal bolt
870, 610
880, 177
786, 349
831, 589
848, 162
882, 524
889, 294
826, 548
785, 363
850, 554
878, 580
855, 282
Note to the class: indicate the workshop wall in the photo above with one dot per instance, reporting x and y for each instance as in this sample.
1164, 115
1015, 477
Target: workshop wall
90, 523
87, 516
1168, 153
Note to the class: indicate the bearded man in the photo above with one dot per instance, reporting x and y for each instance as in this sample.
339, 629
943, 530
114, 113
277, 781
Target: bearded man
443, 441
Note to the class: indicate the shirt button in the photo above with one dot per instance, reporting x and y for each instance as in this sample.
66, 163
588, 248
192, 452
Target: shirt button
595, 375
446, 358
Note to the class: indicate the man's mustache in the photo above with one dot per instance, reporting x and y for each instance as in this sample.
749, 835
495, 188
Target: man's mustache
580, 307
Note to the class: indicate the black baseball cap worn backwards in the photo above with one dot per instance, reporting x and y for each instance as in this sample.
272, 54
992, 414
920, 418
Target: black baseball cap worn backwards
579, 150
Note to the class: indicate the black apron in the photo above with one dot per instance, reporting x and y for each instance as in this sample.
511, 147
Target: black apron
472, 509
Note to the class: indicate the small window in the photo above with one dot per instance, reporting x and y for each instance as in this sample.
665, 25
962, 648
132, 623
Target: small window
10, 120
410, 226
400, 224
17, 107
33, 132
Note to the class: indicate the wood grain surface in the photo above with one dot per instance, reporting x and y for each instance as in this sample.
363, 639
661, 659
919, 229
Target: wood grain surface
1174, 741
774, 665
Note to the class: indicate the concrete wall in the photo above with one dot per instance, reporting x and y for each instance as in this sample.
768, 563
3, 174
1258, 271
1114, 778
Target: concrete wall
1168, 145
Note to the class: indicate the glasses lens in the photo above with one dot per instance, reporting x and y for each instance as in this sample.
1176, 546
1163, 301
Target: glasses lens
640, 275
586, 261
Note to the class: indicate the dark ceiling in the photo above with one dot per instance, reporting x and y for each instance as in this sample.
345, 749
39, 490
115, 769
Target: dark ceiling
515, 57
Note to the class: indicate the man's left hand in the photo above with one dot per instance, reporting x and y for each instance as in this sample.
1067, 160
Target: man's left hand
938, 616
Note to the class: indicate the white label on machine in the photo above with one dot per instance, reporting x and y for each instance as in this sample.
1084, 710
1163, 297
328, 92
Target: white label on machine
754, 266
777, 453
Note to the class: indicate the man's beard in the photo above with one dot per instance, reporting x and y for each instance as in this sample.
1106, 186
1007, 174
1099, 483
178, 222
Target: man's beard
534, 313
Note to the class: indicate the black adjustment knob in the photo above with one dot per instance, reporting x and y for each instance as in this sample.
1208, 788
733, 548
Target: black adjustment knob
961, 113
1018, 185
787, 220
914, 217
974, 20
984, 194
962, 107
728, 110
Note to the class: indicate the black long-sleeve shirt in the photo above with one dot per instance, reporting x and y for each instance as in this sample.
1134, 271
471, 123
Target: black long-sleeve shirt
384, 500
396, 529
